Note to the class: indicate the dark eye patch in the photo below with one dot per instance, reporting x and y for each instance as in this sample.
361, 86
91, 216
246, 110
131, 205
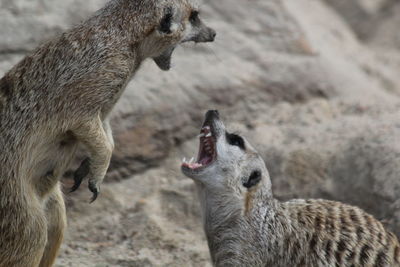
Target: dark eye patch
194, 16
235, 140
166, 22
254, 179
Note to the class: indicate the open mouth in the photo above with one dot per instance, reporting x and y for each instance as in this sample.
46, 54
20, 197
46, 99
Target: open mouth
207, 152
163, 61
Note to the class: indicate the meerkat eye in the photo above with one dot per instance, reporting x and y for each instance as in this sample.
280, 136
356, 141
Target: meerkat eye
166, 22
254, 179
235, 140
194, 16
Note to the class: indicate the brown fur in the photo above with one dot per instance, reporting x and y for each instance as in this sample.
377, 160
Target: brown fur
248, 201
61, 95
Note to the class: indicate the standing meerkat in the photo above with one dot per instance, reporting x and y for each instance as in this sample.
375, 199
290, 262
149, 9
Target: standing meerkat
246, 226
61, 95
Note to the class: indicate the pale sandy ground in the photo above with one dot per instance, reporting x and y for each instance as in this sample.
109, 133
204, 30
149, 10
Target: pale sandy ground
313, 84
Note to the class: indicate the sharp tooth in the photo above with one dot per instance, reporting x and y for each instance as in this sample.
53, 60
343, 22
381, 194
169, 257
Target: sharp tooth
201, 135
184, 160
209, 135
191, 160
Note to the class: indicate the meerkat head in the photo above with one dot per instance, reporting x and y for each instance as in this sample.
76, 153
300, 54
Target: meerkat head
226, 163
178, 22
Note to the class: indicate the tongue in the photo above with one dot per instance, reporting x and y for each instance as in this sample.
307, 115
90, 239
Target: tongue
205, 160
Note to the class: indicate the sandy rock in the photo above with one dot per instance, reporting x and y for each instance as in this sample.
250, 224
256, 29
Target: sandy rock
373, 21
363, 15
386, 34
25, 24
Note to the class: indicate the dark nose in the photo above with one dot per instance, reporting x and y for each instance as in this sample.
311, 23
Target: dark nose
212, 34
212, 114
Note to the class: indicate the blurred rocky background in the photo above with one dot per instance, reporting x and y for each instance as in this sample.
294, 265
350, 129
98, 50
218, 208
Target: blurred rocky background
314, 84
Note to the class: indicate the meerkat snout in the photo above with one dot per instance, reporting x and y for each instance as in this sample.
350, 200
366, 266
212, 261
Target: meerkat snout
199, 33
225, 160
179, 25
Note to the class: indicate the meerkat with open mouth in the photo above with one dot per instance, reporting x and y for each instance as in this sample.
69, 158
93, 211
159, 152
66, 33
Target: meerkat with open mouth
246, 226
60, 96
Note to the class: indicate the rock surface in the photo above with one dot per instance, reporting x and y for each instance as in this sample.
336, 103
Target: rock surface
317, 92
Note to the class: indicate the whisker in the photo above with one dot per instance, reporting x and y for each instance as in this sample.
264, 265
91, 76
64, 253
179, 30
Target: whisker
213, 52
205, 47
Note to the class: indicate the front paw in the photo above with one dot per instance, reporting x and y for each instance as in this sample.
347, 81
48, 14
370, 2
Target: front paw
80, 174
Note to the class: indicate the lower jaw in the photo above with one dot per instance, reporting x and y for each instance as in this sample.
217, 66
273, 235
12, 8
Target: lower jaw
198, 165
189, 170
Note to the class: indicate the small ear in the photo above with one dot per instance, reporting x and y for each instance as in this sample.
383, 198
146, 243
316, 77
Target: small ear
166, 22
254, 179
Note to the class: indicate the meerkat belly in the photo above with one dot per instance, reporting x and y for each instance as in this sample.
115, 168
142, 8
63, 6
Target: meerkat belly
49, 159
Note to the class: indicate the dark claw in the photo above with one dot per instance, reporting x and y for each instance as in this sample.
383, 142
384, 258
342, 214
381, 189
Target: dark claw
81, 173
93, 188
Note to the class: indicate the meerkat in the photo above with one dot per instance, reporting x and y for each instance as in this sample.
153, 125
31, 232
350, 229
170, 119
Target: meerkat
246, 226
60, 96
